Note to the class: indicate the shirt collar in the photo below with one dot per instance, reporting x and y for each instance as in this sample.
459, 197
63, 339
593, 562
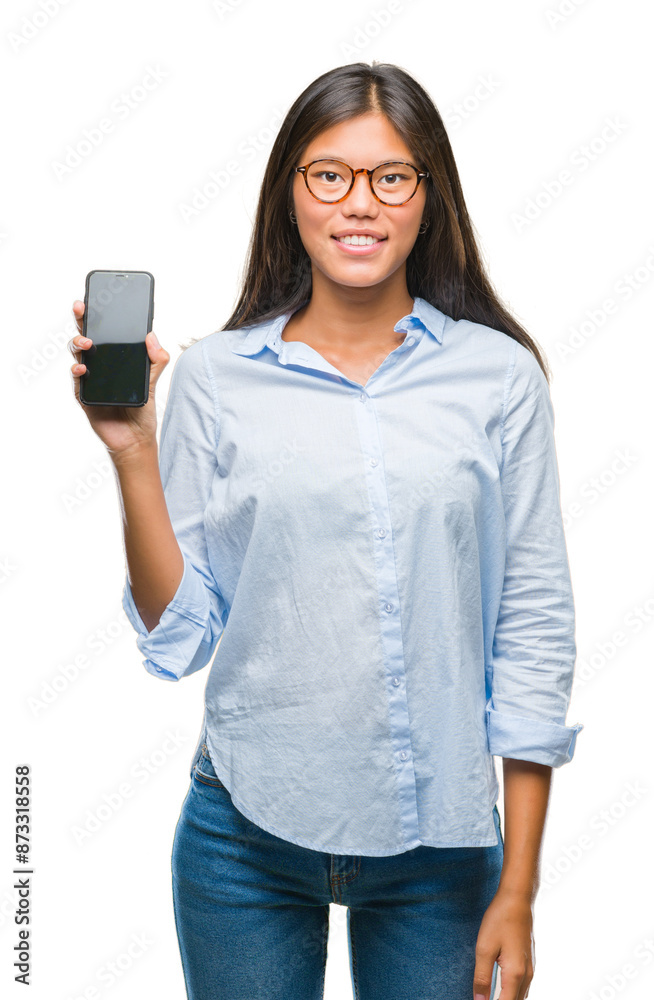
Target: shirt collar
253, 339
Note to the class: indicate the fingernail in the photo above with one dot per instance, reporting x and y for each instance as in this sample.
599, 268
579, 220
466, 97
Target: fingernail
479, 996
154, 339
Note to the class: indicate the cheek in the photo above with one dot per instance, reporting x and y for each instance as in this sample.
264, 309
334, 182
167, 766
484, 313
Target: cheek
404, 230
315, 229
404, 241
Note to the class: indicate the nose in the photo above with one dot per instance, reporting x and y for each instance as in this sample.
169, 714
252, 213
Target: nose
361, 196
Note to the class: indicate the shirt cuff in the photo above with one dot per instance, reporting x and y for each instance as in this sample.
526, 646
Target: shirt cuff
530, 739
178, 644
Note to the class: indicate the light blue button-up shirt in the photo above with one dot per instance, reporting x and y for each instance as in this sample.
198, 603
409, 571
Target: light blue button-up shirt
386, 570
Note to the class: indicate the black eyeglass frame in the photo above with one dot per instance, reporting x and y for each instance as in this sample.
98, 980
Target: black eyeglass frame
362, 170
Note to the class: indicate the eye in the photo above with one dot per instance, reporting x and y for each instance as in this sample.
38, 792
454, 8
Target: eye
401, 177
328, 173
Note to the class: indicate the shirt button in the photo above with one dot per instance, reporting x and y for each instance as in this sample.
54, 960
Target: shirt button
158, 668
388, 607
396, 681
410, 341
403, 755
381, 532
363, 397
373, 462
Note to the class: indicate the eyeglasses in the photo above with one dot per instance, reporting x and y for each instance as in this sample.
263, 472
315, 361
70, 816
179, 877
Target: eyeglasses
392, 183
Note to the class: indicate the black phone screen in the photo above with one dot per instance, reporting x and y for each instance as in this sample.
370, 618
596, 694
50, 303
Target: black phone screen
118, 313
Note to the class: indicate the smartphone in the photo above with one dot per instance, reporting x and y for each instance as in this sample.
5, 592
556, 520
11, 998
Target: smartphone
118, 313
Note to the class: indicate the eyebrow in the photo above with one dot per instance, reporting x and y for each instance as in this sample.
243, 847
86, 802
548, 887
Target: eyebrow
330, 156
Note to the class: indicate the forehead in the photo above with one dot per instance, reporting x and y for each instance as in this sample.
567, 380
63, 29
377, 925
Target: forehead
365, 140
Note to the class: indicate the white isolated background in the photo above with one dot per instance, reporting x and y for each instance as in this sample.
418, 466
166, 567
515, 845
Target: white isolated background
526, 90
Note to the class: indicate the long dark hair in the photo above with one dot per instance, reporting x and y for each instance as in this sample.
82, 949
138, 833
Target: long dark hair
444, 266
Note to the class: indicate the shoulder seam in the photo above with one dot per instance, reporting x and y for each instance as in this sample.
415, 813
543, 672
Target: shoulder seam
212, 383
508, 379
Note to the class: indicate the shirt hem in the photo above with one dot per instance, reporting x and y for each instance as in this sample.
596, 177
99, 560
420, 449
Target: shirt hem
352, 851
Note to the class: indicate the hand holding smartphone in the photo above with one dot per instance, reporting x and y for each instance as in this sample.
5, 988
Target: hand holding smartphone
117, 369
118, 313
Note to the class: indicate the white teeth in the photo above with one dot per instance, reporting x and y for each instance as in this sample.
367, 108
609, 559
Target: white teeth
358, 241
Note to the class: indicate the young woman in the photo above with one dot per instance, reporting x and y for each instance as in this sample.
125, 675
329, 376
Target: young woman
357, 491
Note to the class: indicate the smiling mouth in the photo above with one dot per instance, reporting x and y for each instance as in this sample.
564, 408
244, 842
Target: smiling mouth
359, 241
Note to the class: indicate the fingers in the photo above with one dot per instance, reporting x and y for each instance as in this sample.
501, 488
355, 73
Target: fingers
78, 313
76, 346
78, 343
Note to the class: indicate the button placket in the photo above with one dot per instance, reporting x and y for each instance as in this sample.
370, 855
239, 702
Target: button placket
390, 619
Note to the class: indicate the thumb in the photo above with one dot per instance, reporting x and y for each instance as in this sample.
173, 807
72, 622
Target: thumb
157, 354
152, 345
482, 980
159, 358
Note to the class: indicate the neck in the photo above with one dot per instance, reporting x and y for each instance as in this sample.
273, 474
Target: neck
343, 317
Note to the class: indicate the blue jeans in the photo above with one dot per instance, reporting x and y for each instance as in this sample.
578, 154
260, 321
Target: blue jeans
252, 910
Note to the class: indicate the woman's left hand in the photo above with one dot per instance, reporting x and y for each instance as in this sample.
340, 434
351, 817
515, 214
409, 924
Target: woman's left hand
506, 937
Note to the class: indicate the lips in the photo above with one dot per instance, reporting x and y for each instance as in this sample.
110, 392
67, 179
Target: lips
359, 250
379, 239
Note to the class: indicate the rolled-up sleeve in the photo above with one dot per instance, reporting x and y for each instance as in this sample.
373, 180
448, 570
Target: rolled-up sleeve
186, 636
534, 648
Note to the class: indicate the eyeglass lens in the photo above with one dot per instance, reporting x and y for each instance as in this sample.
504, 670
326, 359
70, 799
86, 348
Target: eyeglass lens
393, 183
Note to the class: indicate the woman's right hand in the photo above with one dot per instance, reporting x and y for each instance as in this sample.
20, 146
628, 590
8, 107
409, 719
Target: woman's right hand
125, 430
